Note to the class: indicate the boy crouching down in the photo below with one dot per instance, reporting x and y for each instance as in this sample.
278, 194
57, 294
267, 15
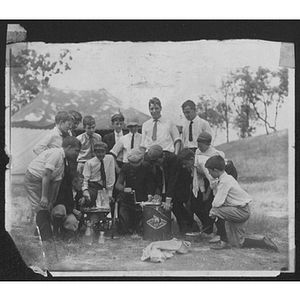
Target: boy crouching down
231, 204
66, 215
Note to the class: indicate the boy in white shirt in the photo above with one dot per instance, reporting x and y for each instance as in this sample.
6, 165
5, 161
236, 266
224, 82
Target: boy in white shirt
231, 205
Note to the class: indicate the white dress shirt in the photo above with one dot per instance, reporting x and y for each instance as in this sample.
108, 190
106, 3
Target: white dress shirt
167, 134
124, 145
91, 172
199, 125
53, 139
229, 193
52, 159
85, 150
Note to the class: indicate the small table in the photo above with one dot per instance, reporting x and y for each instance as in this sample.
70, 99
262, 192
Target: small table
102, 213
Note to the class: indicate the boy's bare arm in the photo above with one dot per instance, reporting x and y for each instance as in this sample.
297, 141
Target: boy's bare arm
45, 187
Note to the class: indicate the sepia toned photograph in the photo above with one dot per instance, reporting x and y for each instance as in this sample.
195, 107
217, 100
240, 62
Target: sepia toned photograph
150, 158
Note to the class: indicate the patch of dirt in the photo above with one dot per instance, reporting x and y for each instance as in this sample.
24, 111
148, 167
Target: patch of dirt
124, 255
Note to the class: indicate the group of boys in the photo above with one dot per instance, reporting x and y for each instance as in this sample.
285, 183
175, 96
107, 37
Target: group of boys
176, 166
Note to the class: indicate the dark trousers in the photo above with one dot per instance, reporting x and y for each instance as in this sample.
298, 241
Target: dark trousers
43, 222
130, 218
184, 217
201, 209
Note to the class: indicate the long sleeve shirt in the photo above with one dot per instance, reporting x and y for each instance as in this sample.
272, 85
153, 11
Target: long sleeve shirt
91, 172
211, 151
199, 125
229, 193
202, 172
85, 150
167, 134
53, 139
124, 145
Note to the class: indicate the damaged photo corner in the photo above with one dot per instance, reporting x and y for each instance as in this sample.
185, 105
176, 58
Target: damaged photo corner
243, 88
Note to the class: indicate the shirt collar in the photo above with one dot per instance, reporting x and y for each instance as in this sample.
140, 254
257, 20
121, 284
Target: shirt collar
118, 134
58, 131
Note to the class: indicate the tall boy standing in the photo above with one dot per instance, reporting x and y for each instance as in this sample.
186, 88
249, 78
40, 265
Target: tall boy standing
231, 205
112, 138
193, 125
55, 137
88, 139
159, 130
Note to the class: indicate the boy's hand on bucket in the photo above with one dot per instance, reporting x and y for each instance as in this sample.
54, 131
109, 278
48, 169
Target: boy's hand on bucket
167, 205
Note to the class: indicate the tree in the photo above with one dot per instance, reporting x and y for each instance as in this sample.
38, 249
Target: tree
207, 111
224, 106
31, 72
261, 91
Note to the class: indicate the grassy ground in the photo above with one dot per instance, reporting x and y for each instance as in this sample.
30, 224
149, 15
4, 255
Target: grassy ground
262, 164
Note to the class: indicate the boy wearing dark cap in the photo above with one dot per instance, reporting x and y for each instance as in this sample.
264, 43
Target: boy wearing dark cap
128, 141
193, 125
205, 148
231, 205
99, 173
134, 176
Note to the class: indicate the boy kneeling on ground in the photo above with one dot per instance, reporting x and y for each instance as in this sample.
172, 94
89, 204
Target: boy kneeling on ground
231, 204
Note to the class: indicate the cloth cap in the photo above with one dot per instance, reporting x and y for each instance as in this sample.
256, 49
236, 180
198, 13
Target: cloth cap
135, 156
133, 122
204, 137
155, 152
119, 117
100, 145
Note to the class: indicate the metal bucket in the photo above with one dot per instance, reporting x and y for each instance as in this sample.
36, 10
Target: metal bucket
156, 223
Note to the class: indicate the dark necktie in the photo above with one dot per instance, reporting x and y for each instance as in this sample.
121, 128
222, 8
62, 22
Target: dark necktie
190, 132
154, 133
67, 175
132, 141
102, 172
92, 146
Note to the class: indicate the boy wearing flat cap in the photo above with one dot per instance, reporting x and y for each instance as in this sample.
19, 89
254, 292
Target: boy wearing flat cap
99, 173
134, 176
205, 148
128, 141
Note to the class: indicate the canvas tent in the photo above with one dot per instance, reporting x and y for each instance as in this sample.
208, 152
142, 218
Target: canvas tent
34, 120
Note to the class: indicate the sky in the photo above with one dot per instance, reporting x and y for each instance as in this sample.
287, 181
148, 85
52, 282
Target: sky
171, 71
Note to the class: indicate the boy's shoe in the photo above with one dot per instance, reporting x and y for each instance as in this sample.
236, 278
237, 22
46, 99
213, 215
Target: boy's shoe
215, 239
193, 233
220, 246
270, 244
208, 235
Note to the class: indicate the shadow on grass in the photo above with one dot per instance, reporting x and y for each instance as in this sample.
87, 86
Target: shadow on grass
252, 179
